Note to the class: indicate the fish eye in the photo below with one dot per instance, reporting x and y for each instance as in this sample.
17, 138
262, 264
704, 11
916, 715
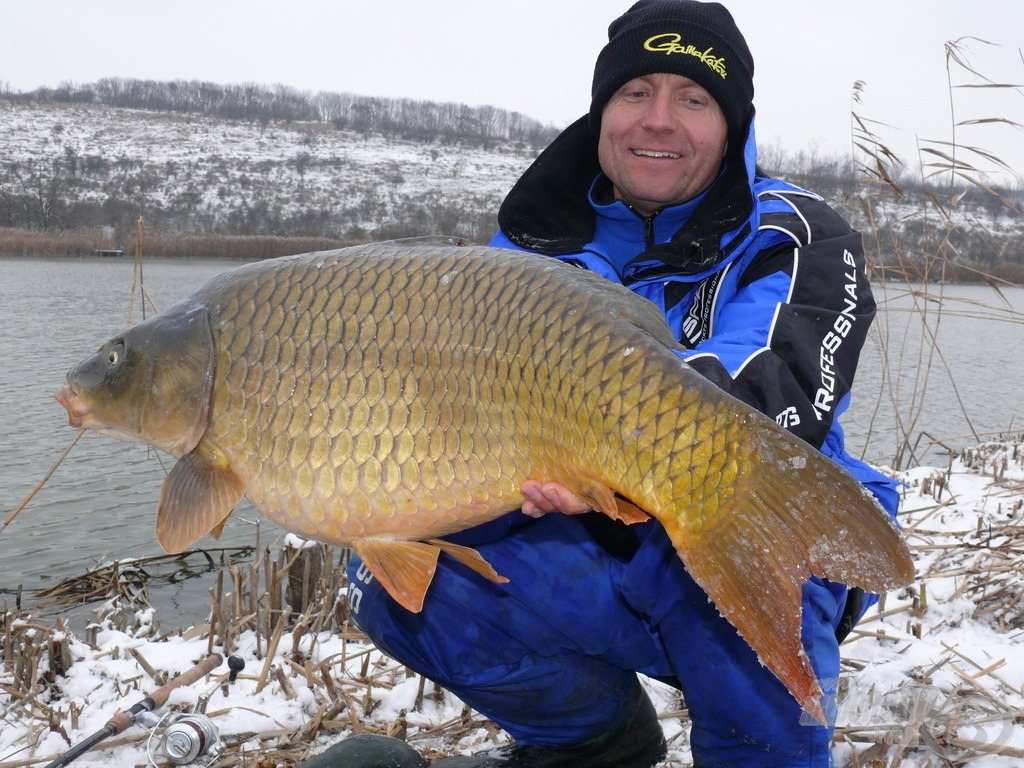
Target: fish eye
115, 353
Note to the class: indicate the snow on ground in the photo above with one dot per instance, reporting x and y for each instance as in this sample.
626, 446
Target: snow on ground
933, 677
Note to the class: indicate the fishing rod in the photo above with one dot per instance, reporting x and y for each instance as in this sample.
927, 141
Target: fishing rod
129, 717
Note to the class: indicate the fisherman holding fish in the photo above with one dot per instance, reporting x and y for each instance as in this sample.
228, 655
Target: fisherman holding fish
659, 333
657, 189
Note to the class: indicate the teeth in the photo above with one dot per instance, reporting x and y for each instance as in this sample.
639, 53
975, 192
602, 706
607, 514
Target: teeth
652, 153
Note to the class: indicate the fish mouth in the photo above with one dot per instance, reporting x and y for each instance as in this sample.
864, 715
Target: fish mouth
79, 412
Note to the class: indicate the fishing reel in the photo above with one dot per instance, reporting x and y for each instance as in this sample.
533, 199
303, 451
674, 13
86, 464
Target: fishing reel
189, 736
185, 738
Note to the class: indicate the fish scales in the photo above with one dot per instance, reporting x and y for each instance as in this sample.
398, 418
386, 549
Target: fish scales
464, 395
383, 396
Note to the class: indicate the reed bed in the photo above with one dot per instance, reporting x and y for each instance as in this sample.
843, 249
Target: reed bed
956, 703
160, 244
285, 607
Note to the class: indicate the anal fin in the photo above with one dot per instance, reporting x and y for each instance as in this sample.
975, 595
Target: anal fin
469, 558
604, 499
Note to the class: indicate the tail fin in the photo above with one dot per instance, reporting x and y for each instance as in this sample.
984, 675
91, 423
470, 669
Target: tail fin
796, 513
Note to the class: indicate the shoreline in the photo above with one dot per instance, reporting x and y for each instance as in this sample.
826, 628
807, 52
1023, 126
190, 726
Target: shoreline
85, 243
939, 658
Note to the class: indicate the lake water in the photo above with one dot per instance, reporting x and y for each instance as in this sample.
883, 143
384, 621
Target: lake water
100, 505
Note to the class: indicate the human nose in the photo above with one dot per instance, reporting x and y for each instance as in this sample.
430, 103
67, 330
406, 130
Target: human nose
658, 114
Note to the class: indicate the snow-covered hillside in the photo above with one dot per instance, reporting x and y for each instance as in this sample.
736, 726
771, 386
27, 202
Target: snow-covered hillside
75, 166
200, 173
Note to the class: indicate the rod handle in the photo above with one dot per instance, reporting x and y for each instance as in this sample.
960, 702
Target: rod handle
158, 698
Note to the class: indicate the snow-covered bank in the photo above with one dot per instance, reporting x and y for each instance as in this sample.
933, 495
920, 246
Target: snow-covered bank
934, 676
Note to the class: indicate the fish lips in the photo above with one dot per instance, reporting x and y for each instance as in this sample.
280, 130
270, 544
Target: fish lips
79, 413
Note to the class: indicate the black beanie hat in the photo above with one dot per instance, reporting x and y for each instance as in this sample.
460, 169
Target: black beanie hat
682, 37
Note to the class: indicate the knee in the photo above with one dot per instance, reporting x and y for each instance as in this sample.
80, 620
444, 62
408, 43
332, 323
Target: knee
368, 606
360, 584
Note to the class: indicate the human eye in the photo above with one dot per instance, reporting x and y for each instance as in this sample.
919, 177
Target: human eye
635, 90
694, 99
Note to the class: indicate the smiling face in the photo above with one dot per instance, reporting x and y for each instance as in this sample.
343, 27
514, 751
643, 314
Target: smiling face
662, 141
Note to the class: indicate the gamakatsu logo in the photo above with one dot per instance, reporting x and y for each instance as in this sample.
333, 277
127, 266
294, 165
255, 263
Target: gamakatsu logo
671, 42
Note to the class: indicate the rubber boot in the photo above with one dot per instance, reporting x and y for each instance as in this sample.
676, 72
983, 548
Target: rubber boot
638, 743
368, 750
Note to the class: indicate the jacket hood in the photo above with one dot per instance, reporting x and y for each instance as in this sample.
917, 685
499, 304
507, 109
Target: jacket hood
549, 209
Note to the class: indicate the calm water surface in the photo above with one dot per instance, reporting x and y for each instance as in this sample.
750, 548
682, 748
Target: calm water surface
100, 505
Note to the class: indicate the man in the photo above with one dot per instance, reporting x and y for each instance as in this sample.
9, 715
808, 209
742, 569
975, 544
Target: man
765, 285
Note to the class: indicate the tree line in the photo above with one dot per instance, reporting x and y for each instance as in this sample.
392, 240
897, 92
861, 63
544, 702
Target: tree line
252, 102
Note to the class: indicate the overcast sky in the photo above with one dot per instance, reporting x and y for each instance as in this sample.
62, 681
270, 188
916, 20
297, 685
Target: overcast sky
536, 57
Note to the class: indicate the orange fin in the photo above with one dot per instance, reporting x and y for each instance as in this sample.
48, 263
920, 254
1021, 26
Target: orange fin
793, 515
603, 499
469, 558
628, 512
218, 530
762, 598
197, 496
404, 568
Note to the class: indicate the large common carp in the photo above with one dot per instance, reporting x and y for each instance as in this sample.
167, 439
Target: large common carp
383, 396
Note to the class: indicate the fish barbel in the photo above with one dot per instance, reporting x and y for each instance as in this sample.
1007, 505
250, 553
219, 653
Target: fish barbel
383, 396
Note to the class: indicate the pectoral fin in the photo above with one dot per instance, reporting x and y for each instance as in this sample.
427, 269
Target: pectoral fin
404, 568
218, 530
197, 496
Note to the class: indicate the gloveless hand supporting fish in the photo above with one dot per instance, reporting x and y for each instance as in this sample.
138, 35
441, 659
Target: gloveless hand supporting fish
383, 396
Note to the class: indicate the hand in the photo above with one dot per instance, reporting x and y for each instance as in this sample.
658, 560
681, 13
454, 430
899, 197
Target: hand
543, 498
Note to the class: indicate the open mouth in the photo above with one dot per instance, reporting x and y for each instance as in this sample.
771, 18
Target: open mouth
79, 412
656, 154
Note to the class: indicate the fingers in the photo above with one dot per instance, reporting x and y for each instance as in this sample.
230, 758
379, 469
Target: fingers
535, 503
545, 498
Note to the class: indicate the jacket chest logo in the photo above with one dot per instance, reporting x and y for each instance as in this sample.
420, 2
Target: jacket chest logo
696, 325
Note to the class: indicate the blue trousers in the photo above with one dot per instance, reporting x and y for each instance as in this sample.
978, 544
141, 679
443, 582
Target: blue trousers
552, 655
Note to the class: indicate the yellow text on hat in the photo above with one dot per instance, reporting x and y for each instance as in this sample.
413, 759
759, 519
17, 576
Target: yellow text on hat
671, 42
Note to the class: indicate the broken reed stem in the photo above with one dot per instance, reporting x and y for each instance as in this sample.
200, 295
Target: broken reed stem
41, 483
272, 650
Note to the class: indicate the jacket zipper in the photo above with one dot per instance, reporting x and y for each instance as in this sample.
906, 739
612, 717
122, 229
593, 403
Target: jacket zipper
648, 228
